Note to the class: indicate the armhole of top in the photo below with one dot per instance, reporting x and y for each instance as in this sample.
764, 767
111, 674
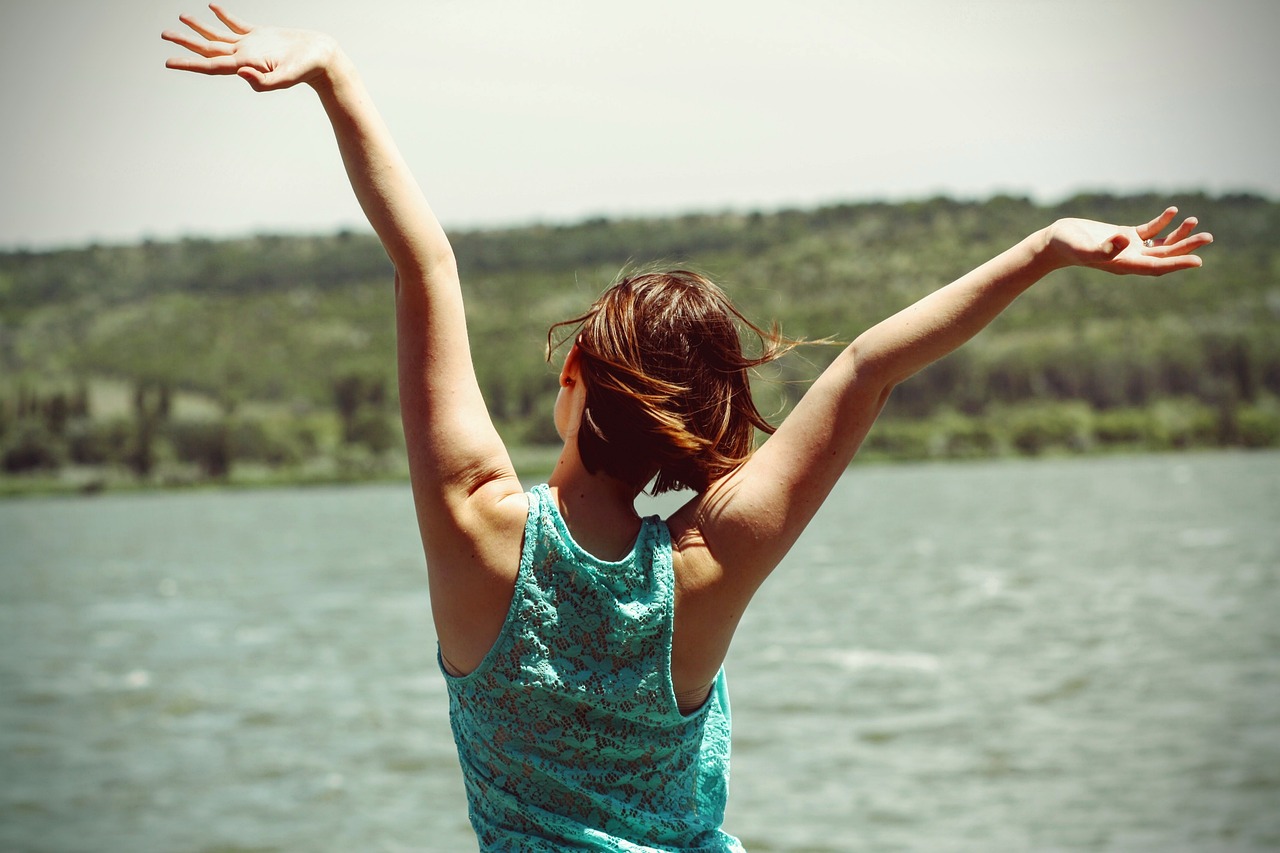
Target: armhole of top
522, 575
664, 541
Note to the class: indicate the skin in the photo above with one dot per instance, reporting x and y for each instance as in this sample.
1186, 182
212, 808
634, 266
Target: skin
470, 506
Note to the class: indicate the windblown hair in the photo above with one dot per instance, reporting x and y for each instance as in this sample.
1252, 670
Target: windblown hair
668, 389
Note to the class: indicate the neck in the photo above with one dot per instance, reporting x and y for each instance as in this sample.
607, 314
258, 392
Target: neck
599, 509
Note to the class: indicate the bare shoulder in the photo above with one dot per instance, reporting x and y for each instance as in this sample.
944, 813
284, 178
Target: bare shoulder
721, 551
473, 558
474, 538
692, 561
732, 533
714, 585
500, 505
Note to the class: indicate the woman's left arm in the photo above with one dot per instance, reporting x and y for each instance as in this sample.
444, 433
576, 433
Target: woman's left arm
900, 346
755, 513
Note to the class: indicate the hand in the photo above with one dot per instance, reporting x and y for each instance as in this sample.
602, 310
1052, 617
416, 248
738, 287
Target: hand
267, 57
1127, 250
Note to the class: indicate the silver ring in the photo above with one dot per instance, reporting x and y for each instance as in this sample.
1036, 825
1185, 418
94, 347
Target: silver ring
1148, 243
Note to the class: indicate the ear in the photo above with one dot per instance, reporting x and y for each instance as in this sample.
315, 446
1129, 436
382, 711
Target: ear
571, 372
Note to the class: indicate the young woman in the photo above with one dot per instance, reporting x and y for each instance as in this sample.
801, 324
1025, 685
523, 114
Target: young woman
582, 645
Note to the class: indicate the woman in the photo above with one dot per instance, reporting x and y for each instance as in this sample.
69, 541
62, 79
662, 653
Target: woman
582, 645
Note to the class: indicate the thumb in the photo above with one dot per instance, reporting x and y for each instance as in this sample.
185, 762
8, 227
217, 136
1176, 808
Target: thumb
260, 81
252, 76
1114, 245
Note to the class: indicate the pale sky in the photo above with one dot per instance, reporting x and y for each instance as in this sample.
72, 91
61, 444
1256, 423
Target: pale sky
515, 112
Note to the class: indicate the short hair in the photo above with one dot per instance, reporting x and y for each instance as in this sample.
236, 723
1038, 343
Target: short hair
668, 392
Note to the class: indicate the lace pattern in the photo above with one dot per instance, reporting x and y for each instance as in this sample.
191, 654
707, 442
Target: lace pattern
568, 732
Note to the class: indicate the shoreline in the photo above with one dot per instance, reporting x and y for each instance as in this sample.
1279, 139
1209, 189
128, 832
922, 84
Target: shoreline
531, 463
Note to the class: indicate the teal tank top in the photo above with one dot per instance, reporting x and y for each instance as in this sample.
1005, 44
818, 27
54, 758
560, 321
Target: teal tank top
568, 731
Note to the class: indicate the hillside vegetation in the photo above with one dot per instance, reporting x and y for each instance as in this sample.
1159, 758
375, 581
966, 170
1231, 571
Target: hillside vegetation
272, 357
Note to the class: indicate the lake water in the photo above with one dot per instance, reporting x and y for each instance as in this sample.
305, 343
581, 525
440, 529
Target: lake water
1008, 656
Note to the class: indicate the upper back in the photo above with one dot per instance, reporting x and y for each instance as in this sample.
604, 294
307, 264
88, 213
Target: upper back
570, 719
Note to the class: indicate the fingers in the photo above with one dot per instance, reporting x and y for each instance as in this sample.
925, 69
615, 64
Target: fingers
213, 43
236, 25
214, 65
1163, 266
1179, 234
1158, 224
1180, 241
1183, 231
1150, 265
204, 29
1184, 245
1164, 259
1174, 252
204, 48
216, 43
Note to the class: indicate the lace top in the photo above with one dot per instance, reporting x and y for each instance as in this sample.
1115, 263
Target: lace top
568, 731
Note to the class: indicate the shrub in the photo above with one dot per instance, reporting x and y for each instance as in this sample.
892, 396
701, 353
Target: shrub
1182, 423
1259, 425
32, 447
899, 439
204, 443
1124, 427
92, 442
1034, 428
270, 442
958, 436
372, 429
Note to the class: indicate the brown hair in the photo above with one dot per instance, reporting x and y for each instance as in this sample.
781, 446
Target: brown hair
667, 386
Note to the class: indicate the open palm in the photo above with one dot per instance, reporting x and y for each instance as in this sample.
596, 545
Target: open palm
1129, 250
267, 57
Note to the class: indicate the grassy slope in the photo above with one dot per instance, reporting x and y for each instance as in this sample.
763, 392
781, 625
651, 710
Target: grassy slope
265, 326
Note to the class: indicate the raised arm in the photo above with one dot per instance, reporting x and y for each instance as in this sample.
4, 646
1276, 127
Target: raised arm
454, 450
752, 517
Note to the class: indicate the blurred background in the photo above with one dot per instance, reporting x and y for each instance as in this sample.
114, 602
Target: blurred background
1057, 632
188, 291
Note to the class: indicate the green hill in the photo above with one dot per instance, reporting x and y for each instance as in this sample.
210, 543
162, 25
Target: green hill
273, 356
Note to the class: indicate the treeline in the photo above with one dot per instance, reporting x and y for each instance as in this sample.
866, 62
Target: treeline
195, 358
56, 429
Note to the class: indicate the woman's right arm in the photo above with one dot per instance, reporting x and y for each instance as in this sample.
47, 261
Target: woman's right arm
460, 470
447, 426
